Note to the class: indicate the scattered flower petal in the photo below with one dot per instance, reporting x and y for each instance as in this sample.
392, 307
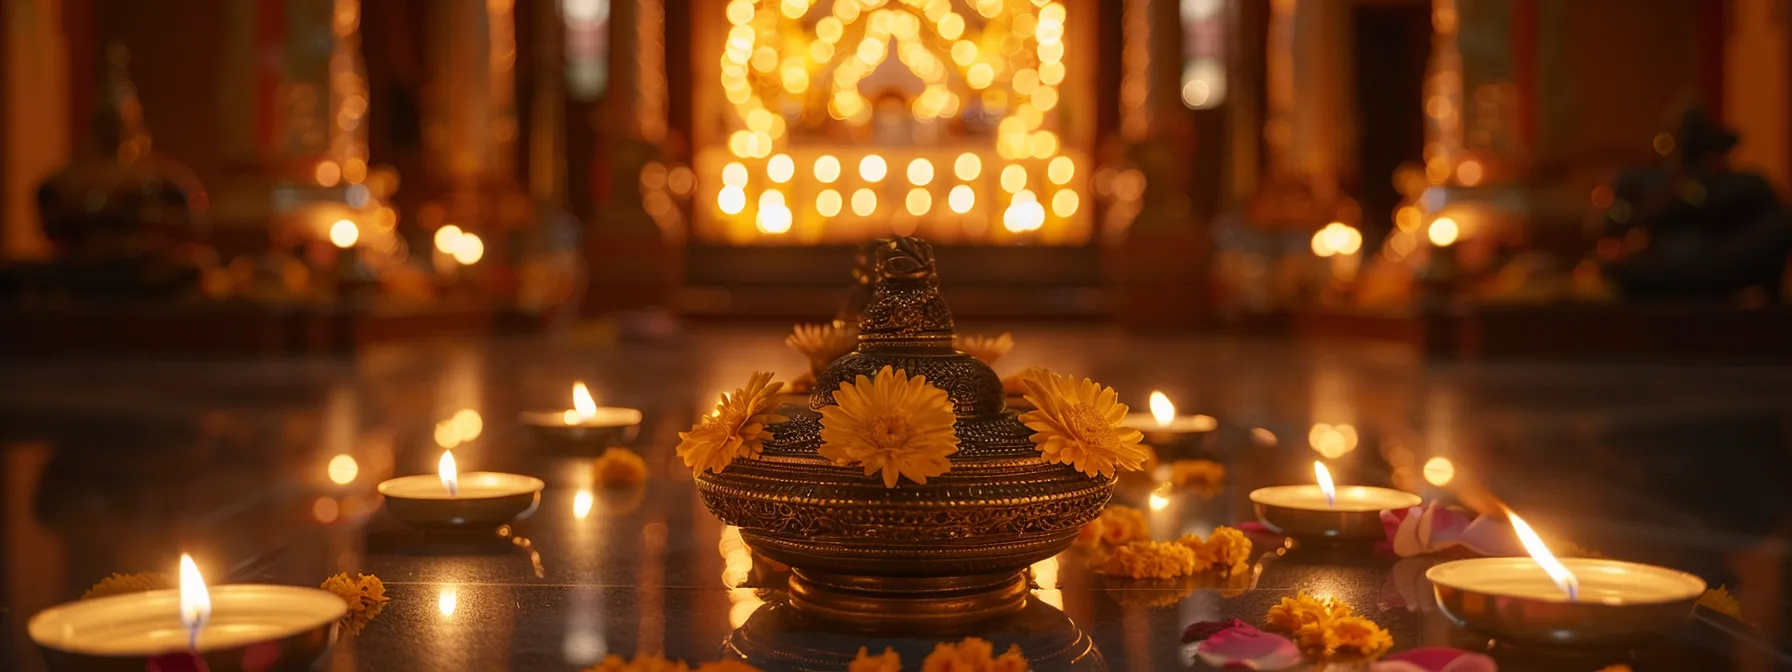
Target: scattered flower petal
1435, 660
888, 661
1204, 629
1249, 648
1150, 560
619, 467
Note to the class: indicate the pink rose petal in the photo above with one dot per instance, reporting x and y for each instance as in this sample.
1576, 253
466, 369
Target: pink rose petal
1435, 660
1492, 537
1204, 629
1442, 526
176, 662
1391, 520
1249, 648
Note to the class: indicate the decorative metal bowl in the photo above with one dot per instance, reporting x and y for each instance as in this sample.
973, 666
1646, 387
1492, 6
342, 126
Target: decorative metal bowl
1591, 622
952, 550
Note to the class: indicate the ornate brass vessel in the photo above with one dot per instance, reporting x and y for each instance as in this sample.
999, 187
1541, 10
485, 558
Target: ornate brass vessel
951, 551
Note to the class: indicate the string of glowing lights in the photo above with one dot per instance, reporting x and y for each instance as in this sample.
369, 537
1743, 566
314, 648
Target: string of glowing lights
772, 70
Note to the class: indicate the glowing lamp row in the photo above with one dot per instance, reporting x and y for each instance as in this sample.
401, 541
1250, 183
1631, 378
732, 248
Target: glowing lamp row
781, 169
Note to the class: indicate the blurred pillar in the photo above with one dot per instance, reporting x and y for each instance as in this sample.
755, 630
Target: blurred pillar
1158, 269
1757, 75
34, 105
633, 263
470, 128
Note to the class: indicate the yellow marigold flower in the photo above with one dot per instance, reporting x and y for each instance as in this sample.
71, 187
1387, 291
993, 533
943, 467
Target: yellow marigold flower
1361, 636
1079, 424
1317, 637
618, 467
891, 423
1197, 473
985, 348
1204, 559
1150, 560
642, 663
1291, 613
973, 655
822, 343
734, 430
888, 661
1121, 524
1721, 601
1228, 546
365, 595
124, 584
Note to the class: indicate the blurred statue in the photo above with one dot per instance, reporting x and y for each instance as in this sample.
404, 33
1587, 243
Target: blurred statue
126, 224
1693, 226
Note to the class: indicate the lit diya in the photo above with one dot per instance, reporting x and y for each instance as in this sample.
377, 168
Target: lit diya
452, 499
234, 627
1590, 602
584, 423
1163, 428
1326, 511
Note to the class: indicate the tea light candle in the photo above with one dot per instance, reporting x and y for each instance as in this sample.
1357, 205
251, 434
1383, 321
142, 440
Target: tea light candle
190, 618
584, 422
451, 498
1163, 420
1325, 510
1545, 600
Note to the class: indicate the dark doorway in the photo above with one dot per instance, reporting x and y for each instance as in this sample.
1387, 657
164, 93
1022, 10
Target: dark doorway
1393, 44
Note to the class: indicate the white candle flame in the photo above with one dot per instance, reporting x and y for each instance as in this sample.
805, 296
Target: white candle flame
1533, 544
1162, 410
450, 476
195, 601
581, 504
1325, 484
582, 401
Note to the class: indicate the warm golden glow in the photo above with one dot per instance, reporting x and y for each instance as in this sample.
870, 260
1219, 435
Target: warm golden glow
447, 600
343, 469
448, 473
980, 75
447, 238
582, 402
1162, 410
1443, 232
328, 173
775, 219
873, 168
469, 249
1407, 218
1064, 203
918, 201
581, 504
734, 174
1332, 441
1060, 170
780, 168
920, 172
967, 167
731, 200
195, 600
1325, 483
864, 202
1014, 178
828, 202
344, 233
1469, 173
1533, 544
961, 199
827, 169
1439, 471
1160, 497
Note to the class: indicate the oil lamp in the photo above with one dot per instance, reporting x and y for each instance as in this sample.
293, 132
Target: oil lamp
1324, 510
225, 625
1571, 601
584, 423
1163, 428
453, 499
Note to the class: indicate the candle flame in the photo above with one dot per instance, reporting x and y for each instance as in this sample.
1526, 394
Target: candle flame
1162, 410
195, 600
1160, 497
447, 600
1533, 544
582, 401
581, 504
450, 475
1325, 484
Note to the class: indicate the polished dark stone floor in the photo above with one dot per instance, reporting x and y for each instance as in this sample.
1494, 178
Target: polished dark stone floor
119, 465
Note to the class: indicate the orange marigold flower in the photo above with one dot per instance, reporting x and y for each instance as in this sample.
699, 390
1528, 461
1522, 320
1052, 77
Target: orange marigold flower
1150, 560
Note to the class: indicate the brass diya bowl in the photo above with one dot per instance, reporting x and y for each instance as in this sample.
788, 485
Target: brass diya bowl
299, 624
1619, 603
1348, 522
515, 497
950, 551
616, 426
